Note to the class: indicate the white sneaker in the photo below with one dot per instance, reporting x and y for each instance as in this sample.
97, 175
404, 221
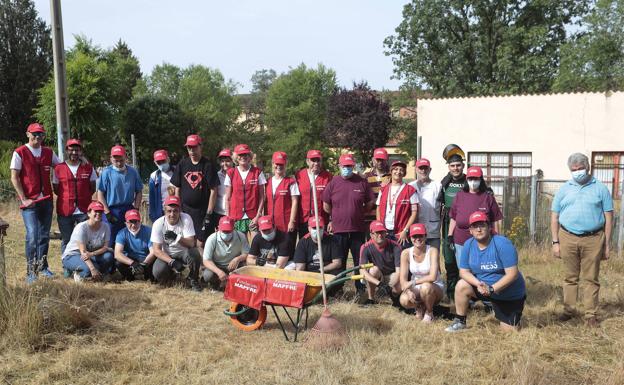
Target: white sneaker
456, 326
77, 277
427, 318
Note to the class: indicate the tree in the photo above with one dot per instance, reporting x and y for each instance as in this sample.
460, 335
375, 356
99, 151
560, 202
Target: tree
260, 84
476, 47
25, 64
296, 111
594, 61
404, 132
358, 119
164, 81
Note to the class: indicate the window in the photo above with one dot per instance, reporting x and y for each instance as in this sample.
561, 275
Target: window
500, 165
608, 167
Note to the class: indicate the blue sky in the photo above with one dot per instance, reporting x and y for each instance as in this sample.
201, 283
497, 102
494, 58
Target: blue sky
241, 36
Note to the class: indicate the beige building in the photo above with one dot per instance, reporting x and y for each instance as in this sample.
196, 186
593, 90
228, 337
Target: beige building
517, 135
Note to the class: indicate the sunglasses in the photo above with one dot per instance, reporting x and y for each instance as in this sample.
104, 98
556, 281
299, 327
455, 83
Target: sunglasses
134, 221
315, 160
37, 134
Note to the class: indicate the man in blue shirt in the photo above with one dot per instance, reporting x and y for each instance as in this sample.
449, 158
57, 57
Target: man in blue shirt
119, 190
134, 255
580, 225
488, 267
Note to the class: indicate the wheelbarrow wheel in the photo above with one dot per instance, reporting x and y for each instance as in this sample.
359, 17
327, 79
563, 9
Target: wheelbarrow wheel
251, 319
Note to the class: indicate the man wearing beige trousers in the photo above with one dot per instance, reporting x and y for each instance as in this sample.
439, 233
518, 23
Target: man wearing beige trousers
581, 222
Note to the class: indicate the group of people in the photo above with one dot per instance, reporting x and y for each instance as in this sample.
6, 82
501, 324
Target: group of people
212, 217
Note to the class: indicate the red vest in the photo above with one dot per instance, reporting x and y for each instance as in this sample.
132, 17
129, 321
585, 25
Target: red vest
245, 194
279, 205
306, 204
73, 191
403, 208
35, 172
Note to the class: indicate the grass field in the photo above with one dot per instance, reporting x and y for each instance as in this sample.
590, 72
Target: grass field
135, 333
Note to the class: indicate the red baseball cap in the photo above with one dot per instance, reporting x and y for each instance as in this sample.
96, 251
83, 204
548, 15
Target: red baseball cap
423, 162
474, 172
118, 151
312, 222
478, 216
417, 229
173, 200
225, 153
377, 226
160, 155
193, 140
279, 157
398, 163
133, 215
73, 142
226, 224
314, 154
241, 149
265, 222
95, 206
346, 160
35, 127
380, 153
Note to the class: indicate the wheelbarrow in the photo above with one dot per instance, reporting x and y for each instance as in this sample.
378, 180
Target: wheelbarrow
252, 288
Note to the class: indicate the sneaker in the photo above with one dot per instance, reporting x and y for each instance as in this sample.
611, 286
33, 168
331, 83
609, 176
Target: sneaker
367, 303
195, 286
67, 273
456, 326
427, 318
565, 317
46, 273
77, 277
31, 278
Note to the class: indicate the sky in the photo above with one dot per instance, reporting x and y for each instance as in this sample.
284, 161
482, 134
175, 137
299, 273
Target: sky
239, 37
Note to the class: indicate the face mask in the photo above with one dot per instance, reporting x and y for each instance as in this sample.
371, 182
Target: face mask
226, 237
269, 237
579, 175
346, 172
163, 167
474, 184
314, 235
119, 169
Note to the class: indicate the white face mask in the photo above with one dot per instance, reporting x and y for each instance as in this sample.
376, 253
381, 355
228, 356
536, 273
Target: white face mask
474, 184
579, 175
226, 237
313, 234
119, 169
268, 237
163, 167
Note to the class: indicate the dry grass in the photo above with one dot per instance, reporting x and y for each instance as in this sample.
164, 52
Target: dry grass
129, 333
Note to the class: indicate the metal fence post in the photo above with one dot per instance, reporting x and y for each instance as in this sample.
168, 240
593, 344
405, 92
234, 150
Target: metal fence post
620, 242
533, 212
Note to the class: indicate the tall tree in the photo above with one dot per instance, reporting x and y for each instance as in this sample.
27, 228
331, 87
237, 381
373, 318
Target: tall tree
296, 111
25, 64
595, 60
475, 47
358, 119
260, 83
164, 81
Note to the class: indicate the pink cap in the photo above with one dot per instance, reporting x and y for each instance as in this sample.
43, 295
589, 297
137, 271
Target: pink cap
160, 155
314, 154
279, 157
133, 215
417, 229
35, 127
241, 149
346, 160
312, 222
380, 153
73, 142
118, 151
225, 153
423, 162
377, 226
474, 172
478, 216
173, 200
193, 140
95, 206
398, 163
265, 222
226, 224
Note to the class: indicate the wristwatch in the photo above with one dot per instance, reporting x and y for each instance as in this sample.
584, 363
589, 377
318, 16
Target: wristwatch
555, 243
491, 290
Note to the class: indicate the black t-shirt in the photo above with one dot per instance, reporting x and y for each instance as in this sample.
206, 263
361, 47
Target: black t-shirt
267, 252
195, 181
386, 259
307, 252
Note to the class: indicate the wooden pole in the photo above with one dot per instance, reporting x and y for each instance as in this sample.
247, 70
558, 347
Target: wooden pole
3, 228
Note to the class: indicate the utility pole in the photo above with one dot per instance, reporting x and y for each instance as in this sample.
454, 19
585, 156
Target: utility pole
60, 78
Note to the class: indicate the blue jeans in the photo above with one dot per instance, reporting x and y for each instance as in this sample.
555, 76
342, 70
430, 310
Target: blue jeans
119, 212
37, 220
66, 225
103, 263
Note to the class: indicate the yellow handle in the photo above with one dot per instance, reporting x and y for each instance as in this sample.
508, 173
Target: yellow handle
357, 277
367, 266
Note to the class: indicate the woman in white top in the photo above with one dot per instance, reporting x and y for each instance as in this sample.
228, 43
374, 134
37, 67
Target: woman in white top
426, 287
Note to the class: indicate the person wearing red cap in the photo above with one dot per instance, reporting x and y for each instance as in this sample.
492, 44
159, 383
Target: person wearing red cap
244, 194
475, 196
307, 257
73, 183
377, 177
428, 204
314, 161
196, 180
270, 247
397, 205
346, 199
282, 196
159, 182
119, 189
30, 175
488, 266
425, 288
134, 254
225, 251
87, 254
173, 240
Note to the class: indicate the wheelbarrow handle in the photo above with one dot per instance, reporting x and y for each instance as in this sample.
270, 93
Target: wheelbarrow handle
364, 266
329, 285
236, 313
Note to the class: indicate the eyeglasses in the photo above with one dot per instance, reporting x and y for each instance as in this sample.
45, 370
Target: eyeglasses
418, 236
315, 160
479, 225
134, 221
37, 134
423, 168
381, 233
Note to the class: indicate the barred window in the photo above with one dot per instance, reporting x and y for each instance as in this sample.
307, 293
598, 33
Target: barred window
500, 165
608, 167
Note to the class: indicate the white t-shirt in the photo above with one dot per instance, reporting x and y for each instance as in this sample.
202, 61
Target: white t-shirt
16, 160
183, 229
429, 213
165, 178
261, 182
92, 239
395, 191
275, 181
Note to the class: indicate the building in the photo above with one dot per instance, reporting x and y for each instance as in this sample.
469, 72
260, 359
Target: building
518, 135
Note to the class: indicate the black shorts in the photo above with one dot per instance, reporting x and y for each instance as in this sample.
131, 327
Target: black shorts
509, 312
197, 215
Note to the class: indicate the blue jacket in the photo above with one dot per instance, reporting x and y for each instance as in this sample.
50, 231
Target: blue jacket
155, 198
